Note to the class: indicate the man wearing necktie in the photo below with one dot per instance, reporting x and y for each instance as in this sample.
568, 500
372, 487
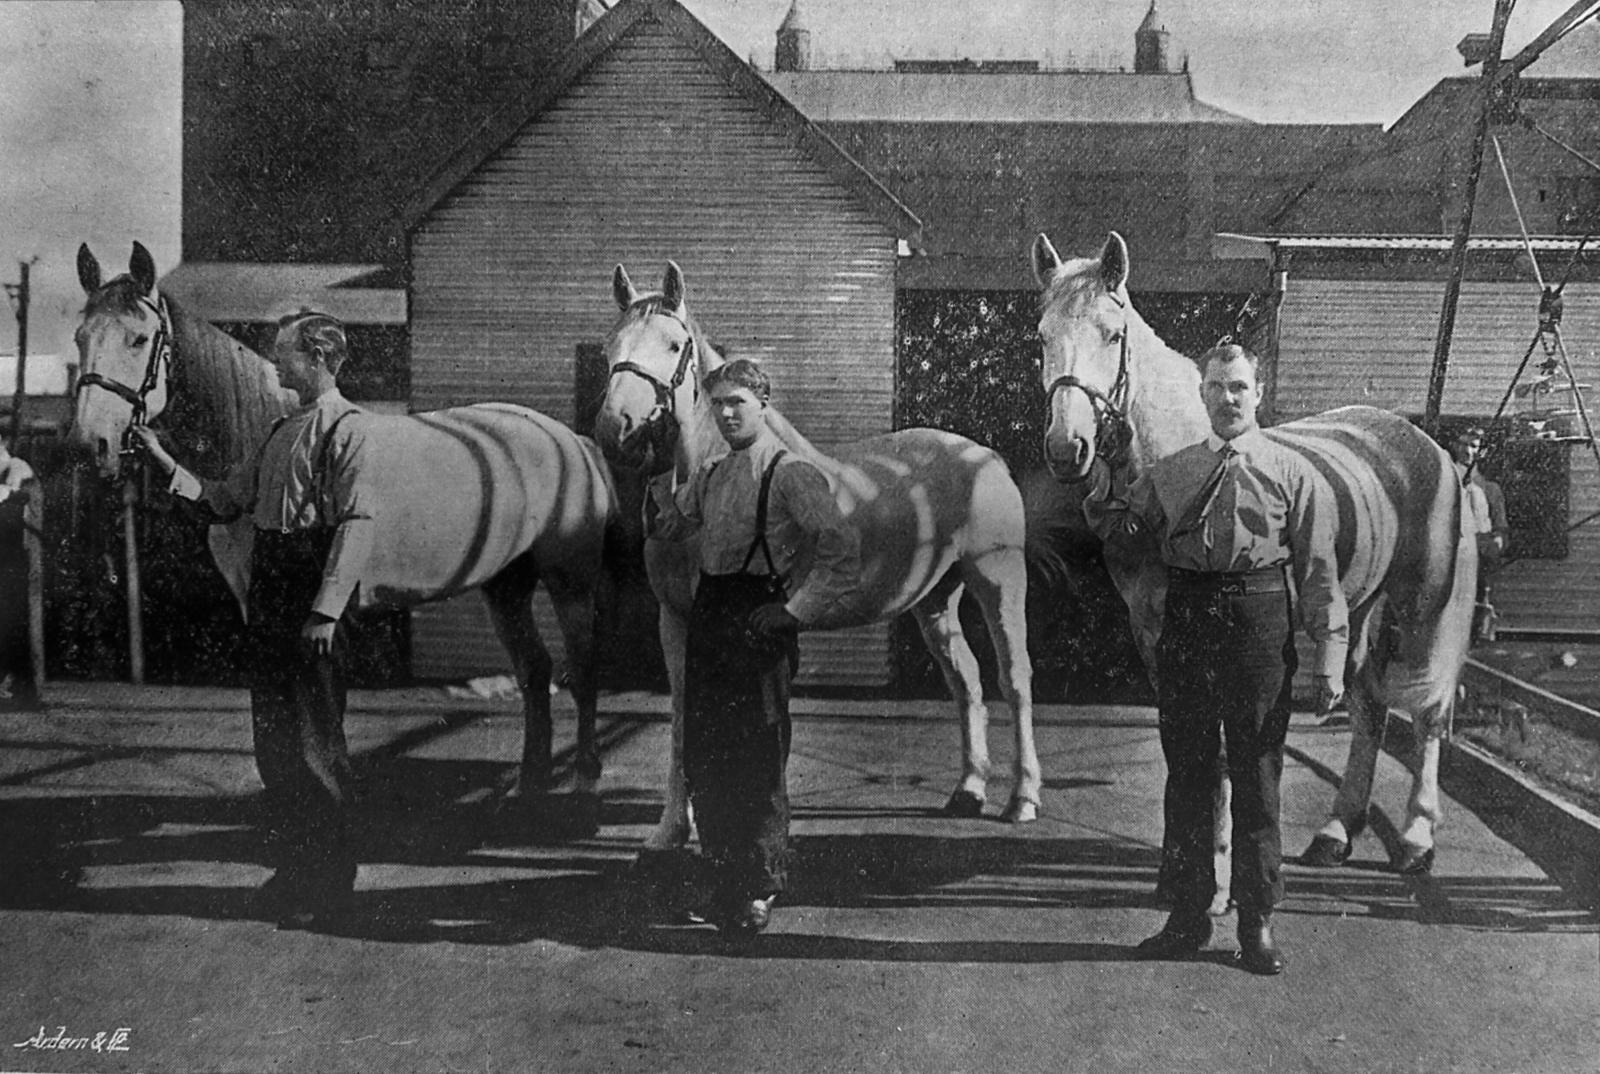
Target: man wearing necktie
1234, 517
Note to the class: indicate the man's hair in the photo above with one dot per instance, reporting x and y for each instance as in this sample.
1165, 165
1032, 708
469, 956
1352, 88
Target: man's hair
319, 334
1227, 352
741, 373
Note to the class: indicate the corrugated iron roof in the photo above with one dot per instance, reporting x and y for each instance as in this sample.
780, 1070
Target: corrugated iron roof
1033, 97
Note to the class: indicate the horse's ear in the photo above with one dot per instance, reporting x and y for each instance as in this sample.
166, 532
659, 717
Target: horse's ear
622, 288
672, 287
142, 267
88, 270
1045, 260
1114, 263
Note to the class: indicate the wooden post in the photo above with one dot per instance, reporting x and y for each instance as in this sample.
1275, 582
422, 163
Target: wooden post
33, 518
1458, 248
130, 543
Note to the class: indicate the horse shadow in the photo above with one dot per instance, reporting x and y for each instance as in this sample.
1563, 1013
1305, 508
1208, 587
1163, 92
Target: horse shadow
446, 860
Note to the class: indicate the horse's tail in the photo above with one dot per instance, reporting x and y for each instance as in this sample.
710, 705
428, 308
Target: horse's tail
1434, 645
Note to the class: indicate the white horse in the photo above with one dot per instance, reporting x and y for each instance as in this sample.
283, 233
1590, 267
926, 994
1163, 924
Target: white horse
938, 515
1117, 392
492, 497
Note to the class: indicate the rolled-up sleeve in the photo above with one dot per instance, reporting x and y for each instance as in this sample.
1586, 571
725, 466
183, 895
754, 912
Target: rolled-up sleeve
824, 598
226, 499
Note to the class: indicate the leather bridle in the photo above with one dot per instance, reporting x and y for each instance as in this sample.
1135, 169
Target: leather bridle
1113, 433
157, 365
666, 390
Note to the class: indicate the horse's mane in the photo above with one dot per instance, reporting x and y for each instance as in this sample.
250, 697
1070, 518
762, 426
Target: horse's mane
1164, 404
228, 381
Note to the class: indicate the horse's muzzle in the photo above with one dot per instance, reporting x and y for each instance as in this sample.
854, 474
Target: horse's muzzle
1068, 458
650, 448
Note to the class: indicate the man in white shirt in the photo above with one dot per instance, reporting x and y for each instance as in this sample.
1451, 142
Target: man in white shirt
313, 516
775, 556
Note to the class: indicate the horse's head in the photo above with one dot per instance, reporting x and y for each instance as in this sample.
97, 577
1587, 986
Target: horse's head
1084, 325
124, 356
655, 360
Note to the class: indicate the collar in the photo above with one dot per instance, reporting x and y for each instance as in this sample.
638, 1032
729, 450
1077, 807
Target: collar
764, 440
326, 401
1241, 443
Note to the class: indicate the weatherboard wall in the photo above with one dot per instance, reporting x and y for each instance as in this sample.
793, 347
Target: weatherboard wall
650, 155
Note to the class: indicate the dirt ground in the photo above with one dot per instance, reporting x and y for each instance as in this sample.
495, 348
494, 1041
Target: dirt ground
910, 942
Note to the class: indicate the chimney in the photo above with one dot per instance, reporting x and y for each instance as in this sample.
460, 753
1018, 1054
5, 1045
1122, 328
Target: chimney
794, 42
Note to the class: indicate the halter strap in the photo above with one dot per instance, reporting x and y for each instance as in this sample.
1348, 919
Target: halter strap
666, 391
1110, 408
158, 363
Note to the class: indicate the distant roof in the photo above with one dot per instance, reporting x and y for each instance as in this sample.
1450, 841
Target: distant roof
1229, 246
248, 292
595, 43
1575, 56
1041, 97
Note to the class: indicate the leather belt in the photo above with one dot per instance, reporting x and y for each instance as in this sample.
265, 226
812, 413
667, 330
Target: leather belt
1243, 583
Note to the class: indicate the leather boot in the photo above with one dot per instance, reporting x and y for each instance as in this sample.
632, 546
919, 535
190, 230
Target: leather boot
1182, 936
1258, 952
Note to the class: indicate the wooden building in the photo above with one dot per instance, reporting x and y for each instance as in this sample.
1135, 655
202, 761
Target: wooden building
655, 141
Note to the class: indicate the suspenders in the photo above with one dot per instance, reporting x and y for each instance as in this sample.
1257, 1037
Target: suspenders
760, 539
319, 468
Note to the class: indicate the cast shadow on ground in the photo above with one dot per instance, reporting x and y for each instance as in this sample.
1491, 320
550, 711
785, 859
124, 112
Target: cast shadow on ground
500, 878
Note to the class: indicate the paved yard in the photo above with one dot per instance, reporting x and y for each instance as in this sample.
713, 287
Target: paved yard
910, 943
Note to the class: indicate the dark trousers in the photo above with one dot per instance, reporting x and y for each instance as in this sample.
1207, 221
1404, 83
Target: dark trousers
297, 703
16, 654
736, 736
1227, 668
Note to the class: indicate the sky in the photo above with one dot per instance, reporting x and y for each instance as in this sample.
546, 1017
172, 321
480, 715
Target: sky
90, 130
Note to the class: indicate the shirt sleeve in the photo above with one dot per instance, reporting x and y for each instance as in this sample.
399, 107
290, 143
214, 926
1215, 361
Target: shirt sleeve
1316, 570
675, 514
226, 499
1129, 520
836, 560
349, 507
16, 473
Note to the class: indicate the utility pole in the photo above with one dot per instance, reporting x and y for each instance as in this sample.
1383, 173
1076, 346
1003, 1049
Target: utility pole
1491, 87
18, 293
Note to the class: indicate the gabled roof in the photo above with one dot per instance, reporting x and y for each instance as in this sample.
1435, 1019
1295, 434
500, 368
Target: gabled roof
1026, 97
501, 127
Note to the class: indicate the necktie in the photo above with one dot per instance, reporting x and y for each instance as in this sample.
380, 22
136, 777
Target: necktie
1201, 505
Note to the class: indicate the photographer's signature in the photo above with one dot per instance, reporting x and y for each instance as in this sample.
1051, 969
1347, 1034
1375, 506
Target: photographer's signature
60, 1041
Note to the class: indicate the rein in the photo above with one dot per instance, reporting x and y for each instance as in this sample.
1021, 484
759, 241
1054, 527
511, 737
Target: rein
1113, 435
157, 365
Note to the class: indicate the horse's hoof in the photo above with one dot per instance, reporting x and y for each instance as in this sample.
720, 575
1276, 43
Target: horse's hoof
1415, 861
1326, 852
1020, 811
964, 804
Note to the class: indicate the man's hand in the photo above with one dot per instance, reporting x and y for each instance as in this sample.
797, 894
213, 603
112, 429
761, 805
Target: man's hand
772, 619
1328, 694
318, 633
145, 437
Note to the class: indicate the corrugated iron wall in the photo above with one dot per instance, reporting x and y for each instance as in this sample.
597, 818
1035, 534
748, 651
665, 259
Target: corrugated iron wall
651, 156
1372, 342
